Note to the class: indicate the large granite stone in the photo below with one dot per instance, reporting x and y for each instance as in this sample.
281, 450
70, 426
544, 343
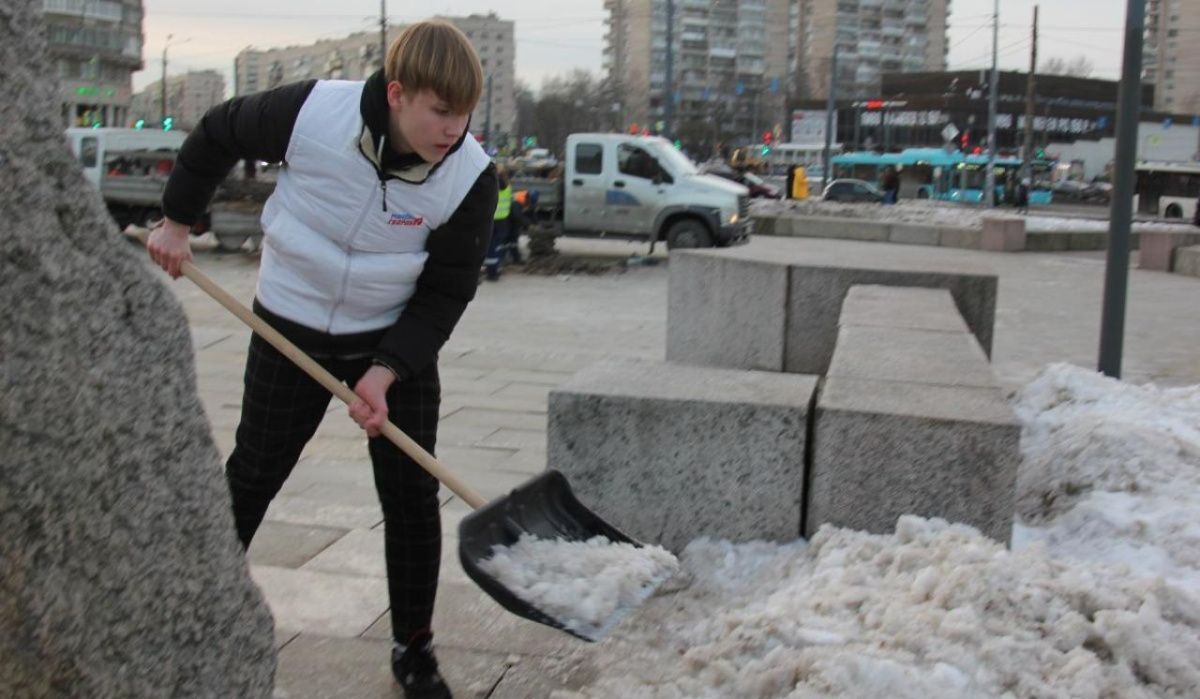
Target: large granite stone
1187, 261
120, 573
669, 453
725, 308
815, 295
729, 312
910, 420
883, 449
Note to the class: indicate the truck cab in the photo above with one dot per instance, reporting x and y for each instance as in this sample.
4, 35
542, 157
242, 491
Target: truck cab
643, 187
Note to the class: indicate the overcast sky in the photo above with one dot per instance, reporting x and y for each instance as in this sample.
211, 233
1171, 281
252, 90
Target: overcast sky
554, 36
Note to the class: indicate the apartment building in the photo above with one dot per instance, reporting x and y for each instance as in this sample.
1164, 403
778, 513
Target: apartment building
96, 46
187, 98
730, 65
873, 37
357, 56
1171, 59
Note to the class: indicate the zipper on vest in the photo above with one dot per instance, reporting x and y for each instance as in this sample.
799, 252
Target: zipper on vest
349, 247
379, 170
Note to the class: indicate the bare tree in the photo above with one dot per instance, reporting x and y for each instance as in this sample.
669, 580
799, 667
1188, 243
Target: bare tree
1079, 66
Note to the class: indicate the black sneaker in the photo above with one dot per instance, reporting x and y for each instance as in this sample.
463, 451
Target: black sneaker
417, 671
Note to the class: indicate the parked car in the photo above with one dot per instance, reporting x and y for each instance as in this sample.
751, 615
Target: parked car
852, 190
758, 187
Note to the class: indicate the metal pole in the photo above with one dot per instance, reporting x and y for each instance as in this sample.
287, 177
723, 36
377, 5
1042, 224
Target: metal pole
162, 115
487, 114
830, 102
669, 84
1029, 100
383, 34
990, 182
1116, 273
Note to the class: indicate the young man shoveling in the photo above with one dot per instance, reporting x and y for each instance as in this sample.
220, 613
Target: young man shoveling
373, 241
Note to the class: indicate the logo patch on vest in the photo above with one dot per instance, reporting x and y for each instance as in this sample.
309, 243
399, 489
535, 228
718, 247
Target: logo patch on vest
403, 218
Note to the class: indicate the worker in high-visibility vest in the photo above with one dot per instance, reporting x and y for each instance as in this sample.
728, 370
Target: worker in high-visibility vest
491, 263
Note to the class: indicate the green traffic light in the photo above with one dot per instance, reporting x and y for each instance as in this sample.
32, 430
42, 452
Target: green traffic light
140, 123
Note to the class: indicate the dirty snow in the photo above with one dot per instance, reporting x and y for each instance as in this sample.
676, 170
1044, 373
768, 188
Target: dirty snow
939, 213
587, 585
1099, 598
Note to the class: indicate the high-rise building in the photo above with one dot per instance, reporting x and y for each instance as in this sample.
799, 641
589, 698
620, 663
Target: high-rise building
357, 56
1171, 59
729, 66
873, 37
188, 97
96, 46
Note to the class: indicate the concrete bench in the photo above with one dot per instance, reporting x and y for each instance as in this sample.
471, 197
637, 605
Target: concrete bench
668, 452
1187, 261
758, 307
1157, 250
910, 420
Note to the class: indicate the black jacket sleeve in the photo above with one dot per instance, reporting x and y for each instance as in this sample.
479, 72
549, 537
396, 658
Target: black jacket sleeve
256, 127
446, 285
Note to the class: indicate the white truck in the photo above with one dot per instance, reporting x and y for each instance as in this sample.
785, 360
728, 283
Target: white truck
129, 167
641, 187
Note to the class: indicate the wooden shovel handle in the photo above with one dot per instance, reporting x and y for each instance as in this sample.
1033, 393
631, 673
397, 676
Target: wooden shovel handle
337, 388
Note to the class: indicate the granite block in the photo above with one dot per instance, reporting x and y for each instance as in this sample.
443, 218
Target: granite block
883, 449
726, 312
669, 452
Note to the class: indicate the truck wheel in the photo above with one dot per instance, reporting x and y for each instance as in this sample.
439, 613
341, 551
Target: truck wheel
688, 233
231, 243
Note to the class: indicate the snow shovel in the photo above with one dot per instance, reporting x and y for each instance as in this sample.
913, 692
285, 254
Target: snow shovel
543, 506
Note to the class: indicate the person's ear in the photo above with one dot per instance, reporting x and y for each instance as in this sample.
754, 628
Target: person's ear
395, 94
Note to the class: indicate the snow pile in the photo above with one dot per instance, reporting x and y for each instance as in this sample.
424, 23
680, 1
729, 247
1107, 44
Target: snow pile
935, 610
587, 585
1100, 597
1111, 472
939, 213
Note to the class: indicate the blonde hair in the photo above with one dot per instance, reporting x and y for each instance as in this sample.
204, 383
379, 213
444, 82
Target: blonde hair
435, 55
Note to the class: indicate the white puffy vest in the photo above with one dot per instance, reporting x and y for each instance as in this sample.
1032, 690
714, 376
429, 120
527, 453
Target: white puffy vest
333, 258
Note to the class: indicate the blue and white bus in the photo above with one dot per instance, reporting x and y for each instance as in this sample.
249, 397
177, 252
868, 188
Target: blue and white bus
933, 173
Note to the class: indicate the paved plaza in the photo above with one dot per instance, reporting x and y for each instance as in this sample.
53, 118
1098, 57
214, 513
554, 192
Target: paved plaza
319, 555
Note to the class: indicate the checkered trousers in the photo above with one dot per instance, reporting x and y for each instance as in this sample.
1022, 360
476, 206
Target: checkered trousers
281, 409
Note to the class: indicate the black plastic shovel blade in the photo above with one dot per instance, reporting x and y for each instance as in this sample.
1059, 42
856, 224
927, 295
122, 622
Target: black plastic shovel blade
543, 506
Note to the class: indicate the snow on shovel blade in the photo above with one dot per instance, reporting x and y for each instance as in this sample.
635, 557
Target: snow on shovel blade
545, 557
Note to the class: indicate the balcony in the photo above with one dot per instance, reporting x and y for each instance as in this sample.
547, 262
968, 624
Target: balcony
102, 10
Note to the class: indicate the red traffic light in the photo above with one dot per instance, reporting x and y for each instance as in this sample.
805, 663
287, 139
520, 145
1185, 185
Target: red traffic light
767, 136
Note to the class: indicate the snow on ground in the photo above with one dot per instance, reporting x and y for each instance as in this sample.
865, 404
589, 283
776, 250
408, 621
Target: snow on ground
1099, 598
587, 585
939, 213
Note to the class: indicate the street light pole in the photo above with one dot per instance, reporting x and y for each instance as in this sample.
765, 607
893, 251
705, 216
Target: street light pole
1116, 272
830, 122
990, 181
162, 114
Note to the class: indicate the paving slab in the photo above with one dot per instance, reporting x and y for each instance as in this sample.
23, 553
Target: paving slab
286, 545
476, 417
358, 553
321, 603
298, 509
315, 667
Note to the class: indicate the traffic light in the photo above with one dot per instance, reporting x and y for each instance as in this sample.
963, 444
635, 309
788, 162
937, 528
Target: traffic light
1040, 154
139, 124
168, 123
965, 140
